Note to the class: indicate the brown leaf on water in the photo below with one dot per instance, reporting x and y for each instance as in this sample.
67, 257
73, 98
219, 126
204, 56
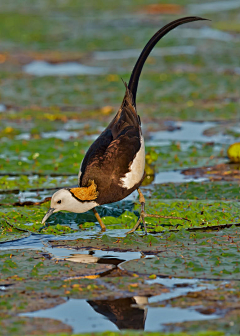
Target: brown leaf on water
107, 110
163, 9
220, 172
2, 58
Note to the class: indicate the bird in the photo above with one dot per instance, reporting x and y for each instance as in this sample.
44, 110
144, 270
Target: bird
113, 166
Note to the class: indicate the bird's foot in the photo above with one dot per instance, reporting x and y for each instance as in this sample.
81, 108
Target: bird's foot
142, 219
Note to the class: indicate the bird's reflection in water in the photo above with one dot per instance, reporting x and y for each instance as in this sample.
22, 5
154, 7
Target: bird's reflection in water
91, 258
125, 313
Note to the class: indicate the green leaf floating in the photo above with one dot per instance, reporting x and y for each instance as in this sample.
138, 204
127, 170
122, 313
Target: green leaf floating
18, 265
42, 156
8, 232
197, 191
199, 255
199, 213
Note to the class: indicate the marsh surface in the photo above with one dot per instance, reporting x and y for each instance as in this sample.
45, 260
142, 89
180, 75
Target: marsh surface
61, 65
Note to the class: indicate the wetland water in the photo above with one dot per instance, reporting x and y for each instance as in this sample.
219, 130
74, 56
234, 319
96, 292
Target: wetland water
114, 313
96, 316
41, 68
121, 310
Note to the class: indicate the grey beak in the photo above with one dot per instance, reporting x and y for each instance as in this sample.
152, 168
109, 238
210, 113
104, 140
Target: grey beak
48, 214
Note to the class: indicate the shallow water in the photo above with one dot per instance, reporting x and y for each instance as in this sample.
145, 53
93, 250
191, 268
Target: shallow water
73, 125
42, 68
116, 313
215, 6
29, 196
39, 241
125, 313
2, 108
204, 33
134, 53
191, 131
175, 177
159, 178
61, 134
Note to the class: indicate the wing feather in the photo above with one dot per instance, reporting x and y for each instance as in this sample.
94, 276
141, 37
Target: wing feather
109, 157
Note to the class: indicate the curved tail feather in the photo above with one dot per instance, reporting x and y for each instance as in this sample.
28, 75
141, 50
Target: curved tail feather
133, 82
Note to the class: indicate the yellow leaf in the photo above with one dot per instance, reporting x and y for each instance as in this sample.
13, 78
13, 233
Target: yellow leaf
234, 152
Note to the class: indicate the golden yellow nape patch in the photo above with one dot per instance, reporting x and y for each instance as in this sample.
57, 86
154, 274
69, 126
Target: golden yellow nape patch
86, 193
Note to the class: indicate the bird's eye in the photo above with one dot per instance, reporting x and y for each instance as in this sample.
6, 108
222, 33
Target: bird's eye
59, 202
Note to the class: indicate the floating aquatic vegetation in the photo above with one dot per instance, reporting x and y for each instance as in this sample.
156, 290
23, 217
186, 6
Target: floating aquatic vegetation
198, 214
197, 191
201, 255
225, 296
42, 156
30, 217
8, 232
25, 182
220, 172
190, 86
13, 267
151, 242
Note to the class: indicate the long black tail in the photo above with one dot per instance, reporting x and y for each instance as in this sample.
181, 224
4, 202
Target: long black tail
133, 82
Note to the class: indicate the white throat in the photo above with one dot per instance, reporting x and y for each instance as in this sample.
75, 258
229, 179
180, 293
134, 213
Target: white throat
73, 205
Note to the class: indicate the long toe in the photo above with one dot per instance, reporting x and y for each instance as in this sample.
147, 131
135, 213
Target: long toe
141, 219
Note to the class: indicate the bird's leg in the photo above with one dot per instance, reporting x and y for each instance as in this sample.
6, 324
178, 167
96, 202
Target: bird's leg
143, 215
103, 227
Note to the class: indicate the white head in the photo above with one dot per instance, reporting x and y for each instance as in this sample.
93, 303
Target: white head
63, 199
